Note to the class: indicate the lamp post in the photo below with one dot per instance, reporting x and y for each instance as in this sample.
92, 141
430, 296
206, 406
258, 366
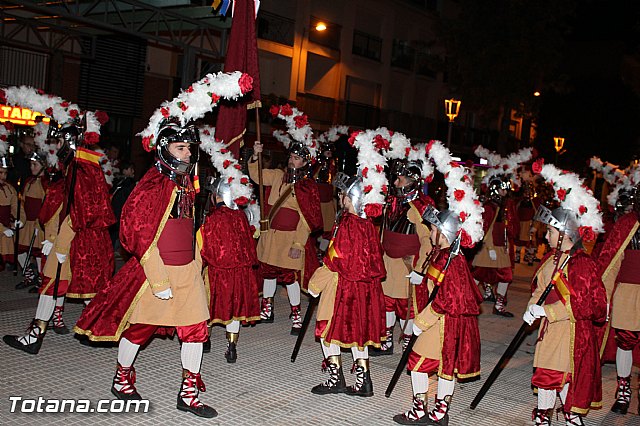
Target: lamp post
452, 108
559, 144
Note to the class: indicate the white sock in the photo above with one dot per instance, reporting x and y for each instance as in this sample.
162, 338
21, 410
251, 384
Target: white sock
330, 350
46, 304
408, 328
502, 289
22, 258
391, 319
293, 290
624, 361
358, 354
127, 352
269, 287
39, 263
191, 355
233, 327
546, 398
60, 301
563, 393
445, 387
419, 382
324, 243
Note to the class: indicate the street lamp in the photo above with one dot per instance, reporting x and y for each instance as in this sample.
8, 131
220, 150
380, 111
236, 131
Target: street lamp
559, 144
452, 108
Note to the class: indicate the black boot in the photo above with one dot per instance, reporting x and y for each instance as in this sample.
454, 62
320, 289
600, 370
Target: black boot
500, 308
124, 383
206, 346
32, 342
386, 348
363, 385
541, 417
623, 395
417, 414
232, 340
439, 416
266, 310
335, 383
487, 293
192, 385
59, 327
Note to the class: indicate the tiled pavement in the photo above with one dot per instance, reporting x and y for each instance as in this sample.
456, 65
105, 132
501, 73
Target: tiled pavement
263, 387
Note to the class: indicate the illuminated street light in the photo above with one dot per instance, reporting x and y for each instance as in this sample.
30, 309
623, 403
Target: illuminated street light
536, 93
452, 108
559, 143
321, 26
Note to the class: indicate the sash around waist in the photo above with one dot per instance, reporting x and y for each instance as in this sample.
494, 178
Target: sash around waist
176, 242
285, 219
630, 268
32, 207
398, 245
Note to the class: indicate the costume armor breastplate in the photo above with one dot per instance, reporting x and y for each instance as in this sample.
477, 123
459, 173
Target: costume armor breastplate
183, 205
399, 223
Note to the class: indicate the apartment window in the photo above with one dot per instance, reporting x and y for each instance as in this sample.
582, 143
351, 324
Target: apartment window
275, 28
367, 45
402, 55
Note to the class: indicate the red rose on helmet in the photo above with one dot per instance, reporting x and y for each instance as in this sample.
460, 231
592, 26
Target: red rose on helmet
146, 143
73, 113
463, 216
562, 194
582, 210
237, 166
458, 194
91, 138
373, 210
164, 111
536, 167
241, 201
380, 142
300, 120
379, 168
367, 189
244, 180
365, 172
64, 104
274, 110
384, 189
226, 163
49, 111
246, 83
354, 135
286, 110
102, 117
465, 239
214, 98
586, 233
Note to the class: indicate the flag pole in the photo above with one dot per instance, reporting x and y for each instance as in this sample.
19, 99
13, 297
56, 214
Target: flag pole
264, 223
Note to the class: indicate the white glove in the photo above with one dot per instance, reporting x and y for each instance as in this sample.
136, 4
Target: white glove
17, 224
493, 255
165, 294
46, 247
61, 257
416, 330
415, 278
312, 293
533, 312
8, 232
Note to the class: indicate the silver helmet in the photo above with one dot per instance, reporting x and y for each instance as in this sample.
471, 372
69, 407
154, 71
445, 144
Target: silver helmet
293, 175
447, 222
352, 187
171, 132
627, 200
219, 187
497, 183
413, 171
38, 156
563, 220
69, 134
6, 161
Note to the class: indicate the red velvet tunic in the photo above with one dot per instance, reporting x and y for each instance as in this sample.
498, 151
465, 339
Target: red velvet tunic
456, 307
229, 253
358, 317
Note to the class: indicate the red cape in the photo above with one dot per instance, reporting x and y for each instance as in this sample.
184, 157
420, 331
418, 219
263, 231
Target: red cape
308, 196
228, 241
142, 216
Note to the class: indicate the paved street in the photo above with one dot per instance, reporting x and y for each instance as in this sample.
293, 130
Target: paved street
263, 387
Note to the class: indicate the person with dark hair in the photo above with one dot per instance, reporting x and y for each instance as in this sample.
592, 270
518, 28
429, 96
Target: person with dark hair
119, 196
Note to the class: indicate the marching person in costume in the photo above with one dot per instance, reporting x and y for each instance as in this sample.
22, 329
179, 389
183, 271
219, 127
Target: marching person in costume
566, 359
619, 260
324, 172
161, 285
526, 208
8, 201
406, 244
351, 307
448, 341
35, 188
76, 215
493, 262
286, 250
228, 249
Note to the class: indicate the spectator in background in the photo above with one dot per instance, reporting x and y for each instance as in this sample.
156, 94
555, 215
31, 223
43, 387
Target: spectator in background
21, 159
121, 191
